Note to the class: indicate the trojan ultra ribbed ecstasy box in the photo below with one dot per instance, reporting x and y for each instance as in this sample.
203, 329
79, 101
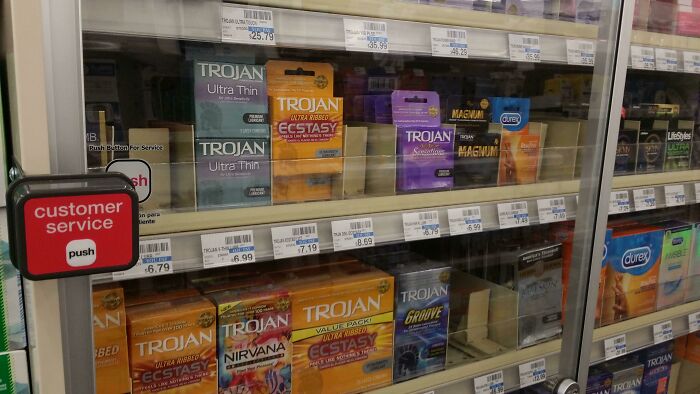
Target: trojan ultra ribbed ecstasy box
172, 346
254, 340
109, 332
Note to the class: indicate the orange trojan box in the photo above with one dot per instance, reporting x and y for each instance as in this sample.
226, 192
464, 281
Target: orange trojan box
111, 350
342, 330
173, 346
299, 79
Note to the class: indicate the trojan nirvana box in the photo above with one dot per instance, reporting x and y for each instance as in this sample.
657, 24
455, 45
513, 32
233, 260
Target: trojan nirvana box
109, 332
254, 347
172, 345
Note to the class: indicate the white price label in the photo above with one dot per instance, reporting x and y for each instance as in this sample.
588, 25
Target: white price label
615, 346
366, 35
674, 195
644, 199
551, 210
421, 225
697, 193
663, 332
465, 220
295, 240
642, 58
619, 202
155, 258
513, 214
524, 48
489, 384
230, 248
532, 373
352, 234
694, 322
691, 62
666, 59
580, 52
448, 42
247, 25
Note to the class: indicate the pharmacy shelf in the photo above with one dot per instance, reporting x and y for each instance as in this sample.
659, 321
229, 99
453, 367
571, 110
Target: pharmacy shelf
639, 331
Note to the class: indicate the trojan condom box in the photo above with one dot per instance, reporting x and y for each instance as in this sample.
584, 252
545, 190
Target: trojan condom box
422, 306
675, 258
424, 158
254, 347
626, 375
626, 151
415, 108
599, 381
652, 145
520, 147
230, 100
232, 172
109, 331
632, 272
657, 367
343, 328
172, 346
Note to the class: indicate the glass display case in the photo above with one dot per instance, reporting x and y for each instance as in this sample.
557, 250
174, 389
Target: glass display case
373, 196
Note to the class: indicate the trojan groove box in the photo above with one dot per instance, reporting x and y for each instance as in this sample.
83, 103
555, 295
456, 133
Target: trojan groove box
230, 100
172, 345
254, 340
109, 331
632, 272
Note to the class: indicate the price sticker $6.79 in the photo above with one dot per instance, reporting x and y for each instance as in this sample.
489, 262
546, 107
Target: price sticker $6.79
155, 258
421, 225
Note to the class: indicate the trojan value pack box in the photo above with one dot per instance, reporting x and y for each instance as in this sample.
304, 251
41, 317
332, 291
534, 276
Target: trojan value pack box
109, 333
230, 100
675, 259
631, 284
679, 140
254, 340
232, 172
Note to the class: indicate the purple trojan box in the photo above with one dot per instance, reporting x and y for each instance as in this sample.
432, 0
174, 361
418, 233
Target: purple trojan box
415, 108
424, 158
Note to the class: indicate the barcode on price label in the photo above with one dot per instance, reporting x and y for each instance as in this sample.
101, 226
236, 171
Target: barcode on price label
248, 26
230, 248
532, 373
666, 59
642, 58
155, 258
465, 220
674, 195
615, 346
694, 322
352, 234
691, 62
580, 52
421, 225
366, 36
644, 199
663, 332
619, 202
524, 48
295, 240
448, 42
513, 214
489, 384
551, 210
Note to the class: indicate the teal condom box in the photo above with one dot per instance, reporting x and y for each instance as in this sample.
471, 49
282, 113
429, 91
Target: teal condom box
692, 288
230, 100
675, 258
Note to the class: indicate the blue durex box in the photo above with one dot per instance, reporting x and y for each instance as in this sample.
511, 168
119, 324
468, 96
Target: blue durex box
657, 367
513, 113
421, 316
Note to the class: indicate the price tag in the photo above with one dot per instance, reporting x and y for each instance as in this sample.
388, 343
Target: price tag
295, 240
580, 52
642, 57
666, 59
421, 225
675, 195
697, 193
691, 62
619, 202
524, 48
247, 26
694, 322
448, 42
489, 384
155, 258
231, 248
551, 210
644, 199
366, 36
532, 373
513, 214
465, 220
352, 234
663, 332
615, 346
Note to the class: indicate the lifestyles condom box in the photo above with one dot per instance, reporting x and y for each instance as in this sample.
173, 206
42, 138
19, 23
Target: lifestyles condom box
109, 332
679, 140
424, 159
254, 344
230, 100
